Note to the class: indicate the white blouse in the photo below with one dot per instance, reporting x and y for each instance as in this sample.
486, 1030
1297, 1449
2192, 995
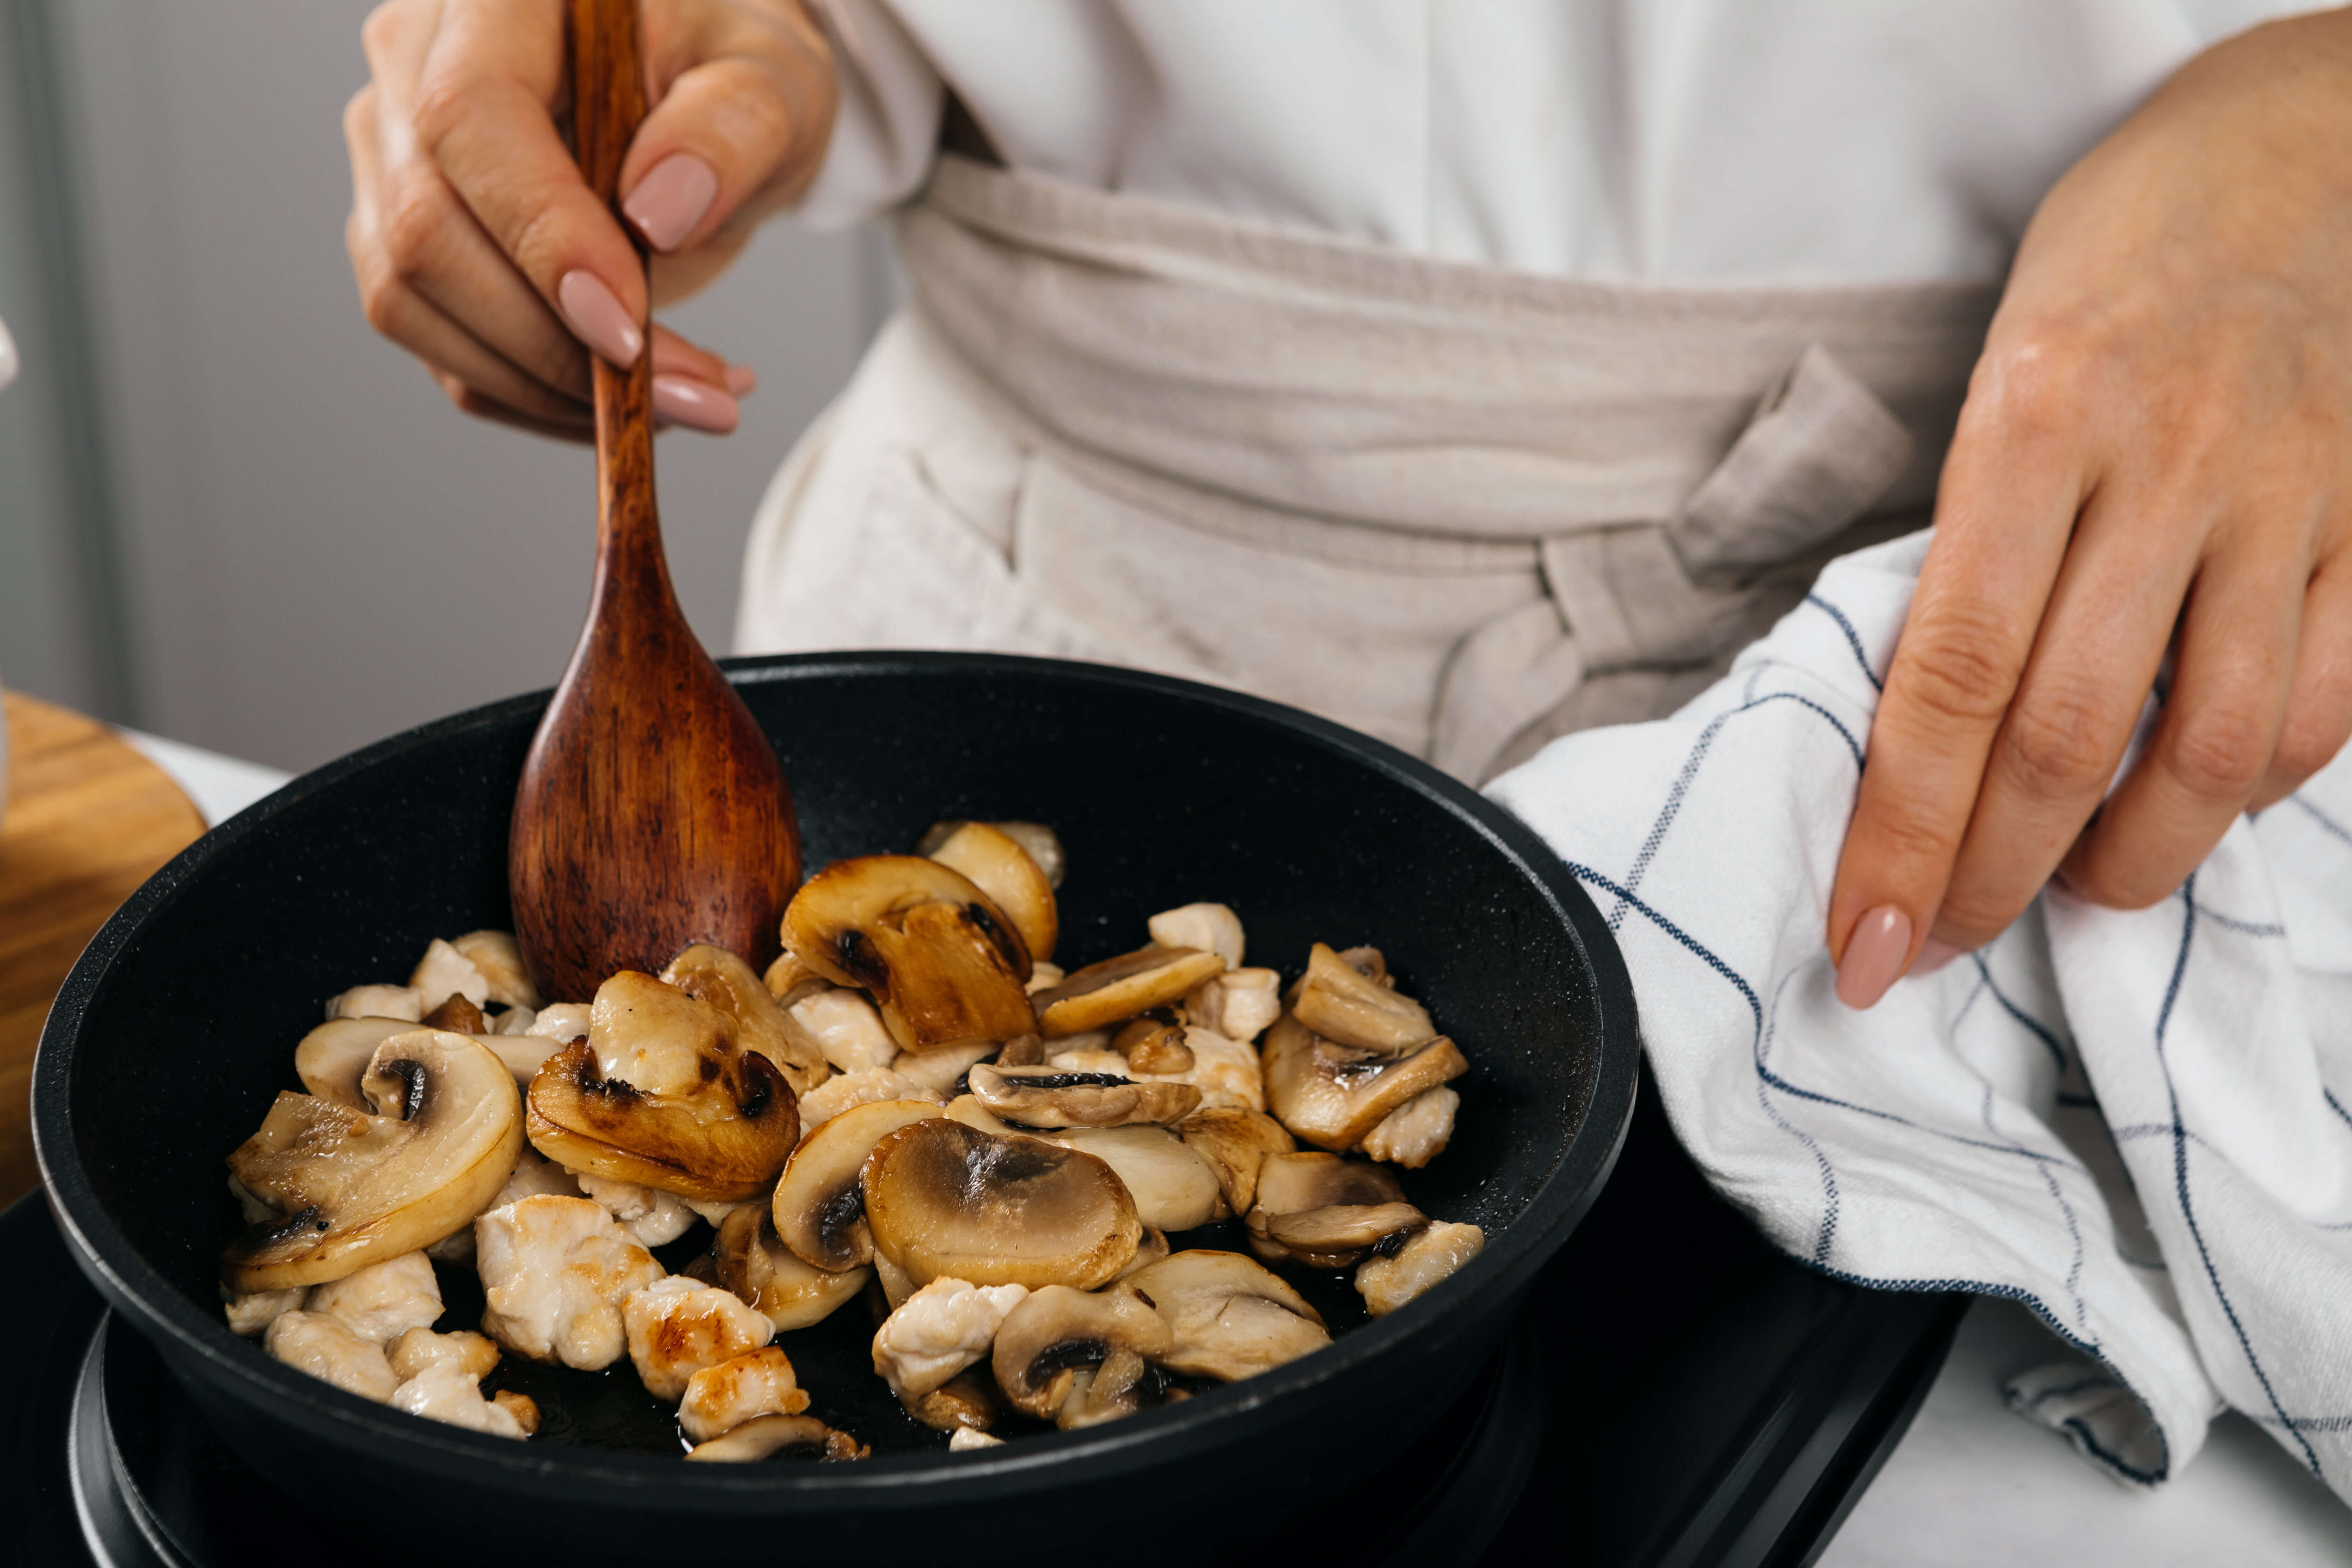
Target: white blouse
1665, 140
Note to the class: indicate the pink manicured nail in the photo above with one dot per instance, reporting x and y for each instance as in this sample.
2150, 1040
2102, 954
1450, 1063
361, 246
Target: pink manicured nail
1934, 954
742, 380
697, 405
1874, 956
671, 199
598, 319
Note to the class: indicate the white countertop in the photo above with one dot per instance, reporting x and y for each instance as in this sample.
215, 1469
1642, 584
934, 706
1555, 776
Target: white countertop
1969, 1483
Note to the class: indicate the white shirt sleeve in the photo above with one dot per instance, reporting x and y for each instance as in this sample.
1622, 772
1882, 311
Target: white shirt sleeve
885, 130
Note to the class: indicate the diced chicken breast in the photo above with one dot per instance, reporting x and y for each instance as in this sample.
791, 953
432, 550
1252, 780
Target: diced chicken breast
650, 1215
1094, 1055
739, 1389
565, 1021
329, 1349
250, 1315
554, 1271
383, 1300
1212, 928
452, 1395
941, 1071
836, 1095
939, 1330
715, 1213
846, 1029
1415, 1132
1225, 1070
515, 1021
420, 1350
964, 1439
1388, 1283
444, 973
403, 1002
1238, 1005
534, 1175
677, 1326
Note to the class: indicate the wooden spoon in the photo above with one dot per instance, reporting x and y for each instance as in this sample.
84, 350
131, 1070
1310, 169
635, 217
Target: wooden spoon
652, 812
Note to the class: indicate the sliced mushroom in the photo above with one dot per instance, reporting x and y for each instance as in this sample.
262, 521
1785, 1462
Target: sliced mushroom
711, 973
1295, 1183
332, 1058
1238, 1003
1213, 928
964, 1406
1148, 1251
1118, 989
1227, 1318
787, 979
1326, 1212
457, 1016
1047, 1097
1226, 1072
405, 1002
1415, 1132
963, 1108
1022, 1051
1389, 1282
965, 1439
944, 963
1154, 1043
1047, 1340
942, 1071
1042, 843
1331, 1096
938, 1332
1172, 1186
999, 867
658, 1095
947, 1201
742, 1388
1339, 1003
751, 1259
1235, 1143
846, 1026
839, 1093
355, 1188
769, 1436
819, 1209
444, 973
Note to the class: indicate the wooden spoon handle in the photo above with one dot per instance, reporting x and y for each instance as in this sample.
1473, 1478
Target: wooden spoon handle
608, 104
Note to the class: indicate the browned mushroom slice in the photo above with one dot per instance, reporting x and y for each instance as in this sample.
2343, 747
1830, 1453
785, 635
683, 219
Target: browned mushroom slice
964, 1403
1042, 844
751, 1259
948, 1201
757, 1022
332, 1059
457, 1015
1235, 1143
769, 1436
1331, 1096
787, 979
1148, 1251
1173, 1186
1340, 1004
1057, 1331
1118, 989
354, 1188
1388, 1281
1049, 1097
943, 962
1226, 1316
1154, 1043
1326, 1212
819, 1209
999, 867
660, 1096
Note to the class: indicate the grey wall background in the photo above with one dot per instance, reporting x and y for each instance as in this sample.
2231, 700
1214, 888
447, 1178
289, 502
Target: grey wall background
296, 545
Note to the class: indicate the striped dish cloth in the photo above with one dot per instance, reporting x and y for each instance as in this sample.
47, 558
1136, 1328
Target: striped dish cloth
2134, 1122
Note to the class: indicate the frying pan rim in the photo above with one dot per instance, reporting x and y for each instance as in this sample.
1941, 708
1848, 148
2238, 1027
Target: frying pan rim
157, 1309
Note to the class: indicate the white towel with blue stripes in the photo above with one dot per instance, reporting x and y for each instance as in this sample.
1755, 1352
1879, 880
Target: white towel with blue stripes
2135, 1123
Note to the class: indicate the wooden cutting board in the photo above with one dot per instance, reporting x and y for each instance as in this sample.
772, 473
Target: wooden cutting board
88, 819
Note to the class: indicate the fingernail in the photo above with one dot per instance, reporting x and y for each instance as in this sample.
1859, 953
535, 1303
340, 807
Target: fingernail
671, 199
1874, 956
697, 405
598, 319
742, 380
1934, 954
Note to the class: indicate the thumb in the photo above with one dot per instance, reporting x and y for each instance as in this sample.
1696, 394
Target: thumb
745, 109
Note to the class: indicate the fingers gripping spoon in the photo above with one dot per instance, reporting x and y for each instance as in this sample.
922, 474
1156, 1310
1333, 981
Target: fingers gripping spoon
652, 811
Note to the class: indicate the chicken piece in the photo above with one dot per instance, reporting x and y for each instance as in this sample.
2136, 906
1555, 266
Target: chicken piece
383, 1301
1388, 1283
964, 1439
1210, 928
739, 1389
650, 1215
565, 1021
450, 1393
940, 1070
677, 1327
714, 1213
533, 1174
847, 1028
405, 1002
1415, 1132
253, 1314
419, 1351
836, 1095
515, 1021
499, 958
1094, 1056
329, 1349
939, 1330
444, 973
555, 1272
1238, 1005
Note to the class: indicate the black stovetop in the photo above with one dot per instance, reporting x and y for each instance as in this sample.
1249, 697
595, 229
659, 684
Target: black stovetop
1676, 1393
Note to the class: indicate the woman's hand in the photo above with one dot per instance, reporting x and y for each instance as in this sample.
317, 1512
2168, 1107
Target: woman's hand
2156, 456
480, 249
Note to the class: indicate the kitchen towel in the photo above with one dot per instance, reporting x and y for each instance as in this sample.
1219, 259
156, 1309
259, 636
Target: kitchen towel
2135, 1123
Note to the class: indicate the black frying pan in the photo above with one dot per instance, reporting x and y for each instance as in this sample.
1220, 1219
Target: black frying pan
178, 1025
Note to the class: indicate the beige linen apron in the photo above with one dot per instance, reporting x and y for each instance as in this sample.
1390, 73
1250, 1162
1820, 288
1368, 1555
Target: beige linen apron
1460, 508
